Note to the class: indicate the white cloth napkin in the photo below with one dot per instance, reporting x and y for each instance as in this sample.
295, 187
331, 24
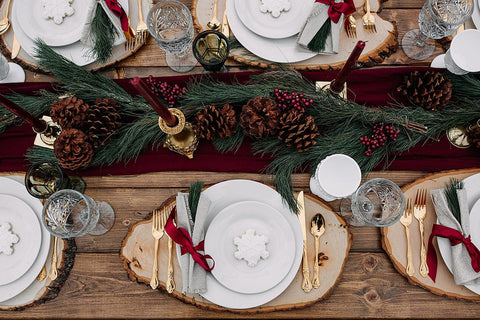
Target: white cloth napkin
194, 276
462, 270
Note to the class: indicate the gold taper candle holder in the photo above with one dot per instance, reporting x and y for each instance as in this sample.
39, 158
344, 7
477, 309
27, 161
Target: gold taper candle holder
47, 137
181, 138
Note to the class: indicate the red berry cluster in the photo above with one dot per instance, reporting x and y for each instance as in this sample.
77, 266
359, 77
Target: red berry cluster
170, 93
380, 135
287, 100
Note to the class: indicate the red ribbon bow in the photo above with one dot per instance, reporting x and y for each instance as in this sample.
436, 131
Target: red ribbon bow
181, 237
337, 8
117, 10
455, 237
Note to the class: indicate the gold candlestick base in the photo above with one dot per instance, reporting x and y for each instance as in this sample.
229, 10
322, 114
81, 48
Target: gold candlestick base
325, 85
457, 137
47, 138
181, 138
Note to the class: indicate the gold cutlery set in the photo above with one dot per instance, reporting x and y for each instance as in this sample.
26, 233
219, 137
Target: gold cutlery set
368, 21
4, 26
214, 23
419, 211
317, 230
141, 32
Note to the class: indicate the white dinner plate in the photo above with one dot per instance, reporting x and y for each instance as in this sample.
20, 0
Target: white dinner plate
283, 50
234, 221
16, 189
24, 223
476, 14
289, 22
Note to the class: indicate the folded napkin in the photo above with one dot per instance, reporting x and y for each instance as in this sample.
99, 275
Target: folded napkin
465, 256
193, 275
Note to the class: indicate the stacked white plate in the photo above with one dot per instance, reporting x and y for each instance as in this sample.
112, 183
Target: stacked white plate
270, 38
238, 205
476, 13
18, 271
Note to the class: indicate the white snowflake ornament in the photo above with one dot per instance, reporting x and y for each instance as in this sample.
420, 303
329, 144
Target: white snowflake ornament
7, 239
274, 7
57, 10
251, 247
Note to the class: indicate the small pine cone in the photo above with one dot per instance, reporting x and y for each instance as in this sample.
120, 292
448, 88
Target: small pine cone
473, 136
260, 117
72, 149
298, 130
69, 112
213, 122
103, 120
429, 90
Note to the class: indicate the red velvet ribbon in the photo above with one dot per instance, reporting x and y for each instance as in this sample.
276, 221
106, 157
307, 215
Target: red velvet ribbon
455, 237
117, 9
181, 237
336, 9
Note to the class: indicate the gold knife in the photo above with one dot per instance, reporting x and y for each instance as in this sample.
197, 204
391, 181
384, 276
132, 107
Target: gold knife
15, 47
225, 28
306, 284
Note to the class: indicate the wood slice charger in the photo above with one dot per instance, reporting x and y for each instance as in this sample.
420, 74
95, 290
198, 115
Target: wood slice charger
395, 244
138, 248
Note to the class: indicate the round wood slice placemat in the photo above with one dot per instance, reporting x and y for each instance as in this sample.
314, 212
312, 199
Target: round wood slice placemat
379, 45
394, 240
138, 248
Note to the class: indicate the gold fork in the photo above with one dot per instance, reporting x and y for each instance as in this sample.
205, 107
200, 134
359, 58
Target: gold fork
420, 212
406, 219
350, 26
158, 227
368, 19
141, 32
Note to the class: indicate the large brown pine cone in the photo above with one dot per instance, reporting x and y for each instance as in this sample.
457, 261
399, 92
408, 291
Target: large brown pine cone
298, 130
69, 112
473, 136
72, 149
213, 122
260, 117
430, 89
103, 120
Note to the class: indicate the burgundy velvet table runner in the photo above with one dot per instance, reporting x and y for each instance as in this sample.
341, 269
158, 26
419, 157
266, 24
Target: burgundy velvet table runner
374, 87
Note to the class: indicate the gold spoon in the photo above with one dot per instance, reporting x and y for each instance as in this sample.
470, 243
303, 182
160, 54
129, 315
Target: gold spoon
317, 229
214, 23
5, 23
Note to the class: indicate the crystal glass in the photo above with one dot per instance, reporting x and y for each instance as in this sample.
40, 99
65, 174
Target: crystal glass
437, 19
69, 213
378, 202
171, 25
211, 49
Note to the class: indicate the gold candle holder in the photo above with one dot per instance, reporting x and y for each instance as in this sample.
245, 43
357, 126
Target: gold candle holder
181, 138
47, 137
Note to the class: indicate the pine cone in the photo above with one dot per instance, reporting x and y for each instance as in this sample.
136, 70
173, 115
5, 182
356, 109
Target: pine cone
473, 136
213, 122
103, 120
260, 117
72, 149
430, 90
69, 112
298, 130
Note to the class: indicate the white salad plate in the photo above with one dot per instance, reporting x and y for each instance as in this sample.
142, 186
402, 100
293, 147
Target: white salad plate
24, 223
288, 24
17, 189
233, 222
283, 50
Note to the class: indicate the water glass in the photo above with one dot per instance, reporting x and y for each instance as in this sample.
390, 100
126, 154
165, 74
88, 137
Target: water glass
69, 213
171, 25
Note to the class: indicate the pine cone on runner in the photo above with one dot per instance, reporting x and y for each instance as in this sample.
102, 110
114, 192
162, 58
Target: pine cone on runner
103, 120
69, 112
429, 90
73, 149
260, 117
215, 122
473, 136
298, 130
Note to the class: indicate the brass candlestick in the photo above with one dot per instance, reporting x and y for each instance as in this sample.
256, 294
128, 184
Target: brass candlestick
181, 138
47, 137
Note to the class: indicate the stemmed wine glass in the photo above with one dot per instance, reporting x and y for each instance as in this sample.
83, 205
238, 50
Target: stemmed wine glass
437, 19
171, 25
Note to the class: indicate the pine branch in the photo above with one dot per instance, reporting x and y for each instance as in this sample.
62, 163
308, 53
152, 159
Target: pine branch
194, 197
452, 199
231, 143
104, 34
38, 154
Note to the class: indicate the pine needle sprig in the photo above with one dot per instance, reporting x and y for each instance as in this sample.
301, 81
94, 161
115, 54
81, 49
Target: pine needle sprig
194, 197
450, 191
104, 33
231, 143
38, 154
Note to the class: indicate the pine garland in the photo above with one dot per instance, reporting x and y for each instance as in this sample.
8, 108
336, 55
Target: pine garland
104, 34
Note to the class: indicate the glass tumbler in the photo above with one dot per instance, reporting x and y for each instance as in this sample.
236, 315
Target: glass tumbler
69, 213
171, 25
211, 49
437, 19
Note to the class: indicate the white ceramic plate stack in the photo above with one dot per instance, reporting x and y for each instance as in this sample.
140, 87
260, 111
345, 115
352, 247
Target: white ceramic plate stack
18, 272
273, 39
238, 205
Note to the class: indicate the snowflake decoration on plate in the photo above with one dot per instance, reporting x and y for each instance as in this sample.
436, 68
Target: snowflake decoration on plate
251, 247
274, 7
57, 9
7, 238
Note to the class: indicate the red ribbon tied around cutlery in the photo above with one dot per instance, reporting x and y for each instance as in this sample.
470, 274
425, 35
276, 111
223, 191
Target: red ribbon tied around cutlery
455, 237
181, 237
117, 10
337, 8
